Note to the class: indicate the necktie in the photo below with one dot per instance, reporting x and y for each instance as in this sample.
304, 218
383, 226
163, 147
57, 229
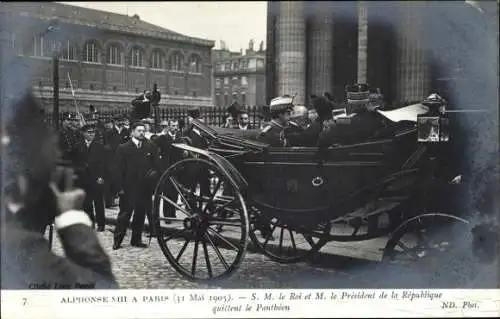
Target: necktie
139, 144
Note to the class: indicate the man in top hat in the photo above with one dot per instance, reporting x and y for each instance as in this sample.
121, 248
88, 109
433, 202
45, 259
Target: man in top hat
90, 164
141, 106
197, 140
274, 133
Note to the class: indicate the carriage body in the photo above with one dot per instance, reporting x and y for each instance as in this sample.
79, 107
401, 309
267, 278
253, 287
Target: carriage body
309, 189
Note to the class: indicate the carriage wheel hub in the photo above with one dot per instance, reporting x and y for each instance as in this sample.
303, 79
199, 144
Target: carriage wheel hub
195, 222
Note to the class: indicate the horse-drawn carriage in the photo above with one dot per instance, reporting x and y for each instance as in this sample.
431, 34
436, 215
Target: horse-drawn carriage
291, 201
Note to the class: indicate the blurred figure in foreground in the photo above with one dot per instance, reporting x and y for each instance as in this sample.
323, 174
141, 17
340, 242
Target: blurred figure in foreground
39, 193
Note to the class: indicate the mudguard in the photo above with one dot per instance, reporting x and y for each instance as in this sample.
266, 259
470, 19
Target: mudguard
236, 179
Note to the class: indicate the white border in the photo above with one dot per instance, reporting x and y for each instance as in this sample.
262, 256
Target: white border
246, 303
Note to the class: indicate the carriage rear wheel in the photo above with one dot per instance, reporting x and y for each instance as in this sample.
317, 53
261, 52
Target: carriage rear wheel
425, 239
280, 242
188, 207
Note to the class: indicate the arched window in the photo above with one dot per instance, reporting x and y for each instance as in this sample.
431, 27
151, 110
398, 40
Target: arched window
195, 64
114, 55
90, 52
176, 61
157, 59
136, 57
69, 51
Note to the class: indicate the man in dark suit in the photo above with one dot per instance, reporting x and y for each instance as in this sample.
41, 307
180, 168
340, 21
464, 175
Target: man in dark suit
90, 164
169, 155
113, 137
138, 169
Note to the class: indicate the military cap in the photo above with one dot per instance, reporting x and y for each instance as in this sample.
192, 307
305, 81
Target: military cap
194, 112
148, 121
281, 104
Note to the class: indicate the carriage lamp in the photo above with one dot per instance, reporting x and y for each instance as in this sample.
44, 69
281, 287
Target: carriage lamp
432, 129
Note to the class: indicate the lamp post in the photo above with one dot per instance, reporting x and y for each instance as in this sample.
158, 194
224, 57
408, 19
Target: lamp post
55, 80
56, 51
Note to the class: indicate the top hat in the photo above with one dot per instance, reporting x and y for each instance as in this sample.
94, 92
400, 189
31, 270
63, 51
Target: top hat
194, 112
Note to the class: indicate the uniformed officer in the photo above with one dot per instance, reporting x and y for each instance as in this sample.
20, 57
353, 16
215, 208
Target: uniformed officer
274, 133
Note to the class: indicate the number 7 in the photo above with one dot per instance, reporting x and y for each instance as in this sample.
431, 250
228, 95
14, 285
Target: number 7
25, 300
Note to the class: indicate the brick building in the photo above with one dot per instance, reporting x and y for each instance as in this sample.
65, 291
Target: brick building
109, 57
239, 76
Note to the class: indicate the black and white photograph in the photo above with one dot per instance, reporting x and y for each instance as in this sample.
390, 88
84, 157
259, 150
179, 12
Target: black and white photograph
250, 145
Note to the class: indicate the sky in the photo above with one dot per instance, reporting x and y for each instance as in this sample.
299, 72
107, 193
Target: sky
233, 22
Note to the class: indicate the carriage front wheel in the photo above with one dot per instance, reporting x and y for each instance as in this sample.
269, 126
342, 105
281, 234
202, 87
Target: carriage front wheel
188, 208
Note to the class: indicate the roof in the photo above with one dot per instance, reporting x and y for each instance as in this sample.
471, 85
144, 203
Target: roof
100, 19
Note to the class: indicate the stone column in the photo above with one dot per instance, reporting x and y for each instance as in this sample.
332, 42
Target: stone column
362, 42
413, 78
320, 62
291, 50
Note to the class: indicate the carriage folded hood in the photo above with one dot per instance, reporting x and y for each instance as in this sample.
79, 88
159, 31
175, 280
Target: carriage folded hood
407, 113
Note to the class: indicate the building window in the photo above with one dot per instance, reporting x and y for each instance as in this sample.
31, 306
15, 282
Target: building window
222, 67
157, 59
228, 66
235, 97
226, 99
114, 88
243, 98
226, 81
69, 52
91, 86
175, 92
136, 57
244, 64
136, 90
252, 64
195, 64
40, 84
235, 65
90, 52
244, 81
66, 85
218, 99
114, 55
176, 61
194, 93
217, 83
260, 63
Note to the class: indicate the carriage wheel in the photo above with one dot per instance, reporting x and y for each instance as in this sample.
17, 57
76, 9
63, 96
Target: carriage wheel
281, 243
187, 209
425, 239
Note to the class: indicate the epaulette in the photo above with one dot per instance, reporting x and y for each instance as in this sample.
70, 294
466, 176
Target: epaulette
266, 129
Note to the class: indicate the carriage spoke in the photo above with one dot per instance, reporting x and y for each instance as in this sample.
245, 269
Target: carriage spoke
216, 234
175, 205
281, 240
177, 232
223, 206
217, 251
269, 237
195, 257
177, 187
182, 251
309, 240
211, 200
293, 240
224, 223
171, 219
406, 249
207, 259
